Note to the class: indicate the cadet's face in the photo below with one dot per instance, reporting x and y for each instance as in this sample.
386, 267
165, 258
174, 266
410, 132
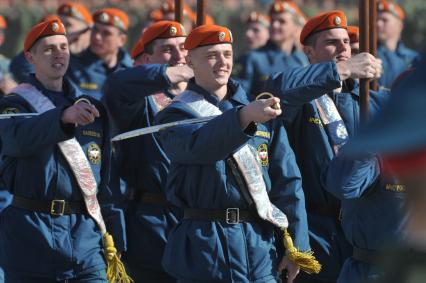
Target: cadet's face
388, 26
256, 35
331, 44
212, 65
72, 25
50, 56
106, 40
78, 41
282, 27
168, 51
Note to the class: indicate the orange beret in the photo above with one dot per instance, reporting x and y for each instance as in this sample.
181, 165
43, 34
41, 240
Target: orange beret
3, 24
208, 35
169, 7
155, 15
353, 32
43, 29
324, 21
77, 11
113, 17
161, 29
49, 17
256, 17
280, 6
393, 8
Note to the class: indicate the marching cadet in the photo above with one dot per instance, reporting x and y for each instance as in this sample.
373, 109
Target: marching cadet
353, 32
78, 23
232, 176
56, 164
395, 55
327, 99
279, 53
372, 212
90, 69
134, 96
257, 30
396, 137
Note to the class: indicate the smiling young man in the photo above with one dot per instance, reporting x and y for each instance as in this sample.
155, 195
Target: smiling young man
134, 96
318, 120
222, 237
56, 164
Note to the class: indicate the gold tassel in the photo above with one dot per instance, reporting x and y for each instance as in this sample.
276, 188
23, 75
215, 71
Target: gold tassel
306, 261
116, 273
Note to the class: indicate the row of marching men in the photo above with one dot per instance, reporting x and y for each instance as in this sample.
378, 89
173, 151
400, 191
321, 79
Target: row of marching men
193, 211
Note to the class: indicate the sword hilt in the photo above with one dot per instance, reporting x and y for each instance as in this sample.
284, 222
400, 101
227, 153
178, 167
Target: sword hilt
266, 95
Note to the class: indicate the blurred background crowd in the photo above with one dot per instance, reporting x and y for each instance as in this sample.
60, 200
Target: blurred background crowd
22, 14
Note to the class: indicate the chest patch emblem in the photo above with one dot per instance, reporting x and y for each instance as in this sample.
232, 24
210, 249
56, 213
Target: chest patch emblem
262, 152
94, 153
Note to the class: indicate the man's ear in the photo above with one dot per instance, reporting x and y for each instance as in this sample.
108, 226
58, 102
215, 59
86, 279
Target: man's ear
145, 59
123, 39
29, 57
309, 52
188, 60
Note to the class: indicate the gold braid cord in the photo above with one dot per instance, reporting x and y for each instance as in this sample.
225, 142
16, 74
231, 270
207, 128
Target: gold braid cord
116, 273
306, 261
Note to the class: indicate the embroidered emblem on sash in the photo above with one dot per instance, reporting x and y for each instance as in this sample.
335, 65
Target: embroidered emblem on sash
94, 153
262, 153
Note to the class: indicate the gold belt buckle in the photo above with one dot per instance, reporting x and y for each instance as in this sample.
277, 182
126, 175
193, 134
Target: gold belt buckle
60, 202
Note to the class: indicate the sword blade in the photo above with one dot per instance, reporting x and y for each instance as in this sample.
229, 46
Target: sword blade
25, 115
157, 128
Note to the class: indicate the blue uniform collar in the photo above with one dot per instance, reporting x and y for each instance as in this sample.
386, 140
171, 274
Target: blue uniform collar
272, 47
70, 90
235, 93
124, 60
400, 48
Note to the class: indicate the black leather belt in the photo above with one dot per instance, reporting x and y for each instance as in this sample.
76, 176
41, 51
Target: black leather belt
152, 198
325, 211
366, 256
54, 207
229, 215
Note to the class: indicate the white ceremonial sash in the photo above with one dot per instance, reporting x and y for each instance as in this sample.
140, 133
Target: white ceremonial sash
247, 161
72, 152
332, 121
